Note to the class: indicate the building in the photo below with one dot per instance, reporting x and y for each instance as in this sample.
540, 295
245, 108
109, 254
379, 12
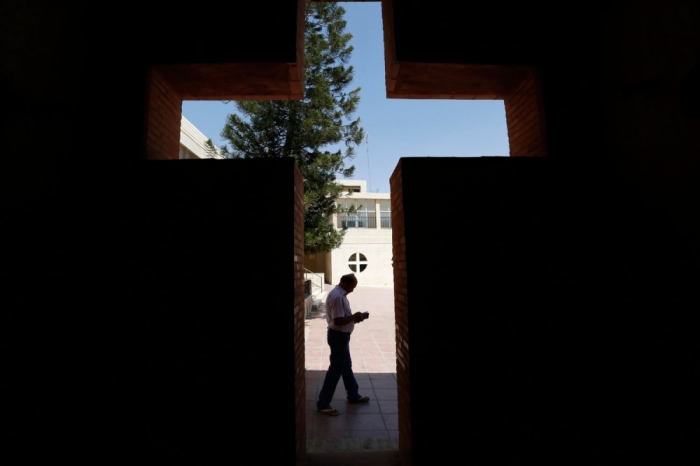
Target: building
366, 249
193, 142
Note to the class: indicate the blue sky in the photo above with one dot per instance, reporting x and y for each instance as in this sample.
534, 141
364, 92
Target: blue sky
397, 128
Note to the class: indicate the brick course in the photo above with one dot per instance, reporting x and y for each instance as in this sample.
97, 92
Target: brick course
163, 119
401, 300
525, 119
299, 316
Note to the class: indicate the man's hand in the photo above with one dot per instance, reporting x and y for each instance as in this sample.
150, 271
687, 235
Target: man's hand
356, 317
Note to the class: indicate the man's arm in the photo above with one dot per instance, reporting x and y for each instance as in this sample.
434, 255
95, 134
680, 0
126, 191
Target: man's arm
356, 317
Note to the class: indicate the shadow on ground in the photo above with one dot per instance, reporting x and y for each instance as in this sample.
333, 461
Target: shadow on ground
359, 427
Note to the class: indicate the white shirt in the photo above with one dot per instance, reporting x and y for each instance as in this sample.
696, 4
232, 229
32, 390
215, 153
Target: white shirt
337, 305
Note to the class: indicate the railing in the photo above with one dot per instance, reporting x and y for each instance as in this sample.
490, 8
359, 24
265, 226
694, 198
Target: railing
307, 288
362, 221
357, 221
318, 285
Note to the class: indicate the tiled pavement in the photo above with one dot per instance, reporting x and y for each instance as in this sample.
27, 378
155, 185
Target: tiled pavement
372, 426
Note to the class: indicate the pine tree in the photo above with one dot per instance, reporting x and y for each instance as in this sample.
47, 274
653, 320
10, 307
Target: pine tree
307, 129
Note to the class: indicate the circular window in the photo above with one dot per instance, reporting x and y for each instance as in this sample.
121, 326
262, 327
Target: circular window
357, 262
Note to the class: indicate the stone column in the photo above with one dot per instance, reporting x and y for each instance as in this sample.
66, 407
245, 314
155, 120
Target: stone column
377, 214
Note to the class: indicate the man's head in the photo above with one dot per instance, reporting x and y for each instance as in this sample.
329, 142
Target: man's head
348, 282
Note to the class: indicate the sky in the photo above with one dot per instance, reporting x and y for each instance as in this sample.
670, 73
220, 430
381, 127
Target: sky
396, 127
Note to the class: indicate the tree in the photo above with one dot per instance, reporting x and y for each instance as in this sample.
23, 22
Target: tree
307, 129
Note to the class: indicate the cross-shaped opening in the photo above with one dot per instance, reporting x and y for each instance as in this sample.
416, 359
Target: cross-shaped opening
514, 87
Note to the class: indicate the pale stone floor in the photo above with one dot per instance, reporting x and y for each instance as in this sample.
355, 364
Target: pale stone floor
372, 426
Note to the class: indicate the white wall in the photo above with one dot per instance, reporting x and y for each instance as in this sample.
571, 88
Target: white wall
375, 244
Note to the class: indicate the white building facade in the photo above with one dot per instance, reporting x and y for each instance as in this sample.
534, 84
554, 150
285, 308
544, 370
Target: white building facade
366, 250
193, 142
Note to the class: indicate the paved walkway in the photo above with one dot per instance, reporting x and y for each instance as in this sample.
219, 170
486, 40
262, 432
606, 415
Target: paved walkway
372, 426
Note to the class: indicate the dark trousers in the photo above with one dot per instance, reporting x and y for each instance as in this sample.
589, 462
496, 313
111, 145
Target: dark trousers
341, 365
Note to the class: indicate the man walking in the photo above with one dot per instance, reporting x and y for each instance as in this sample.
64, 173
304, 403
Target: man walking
341, 322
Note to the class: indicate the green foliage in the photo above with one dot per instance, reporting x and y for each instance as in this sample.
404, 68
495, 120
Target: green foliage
305, 129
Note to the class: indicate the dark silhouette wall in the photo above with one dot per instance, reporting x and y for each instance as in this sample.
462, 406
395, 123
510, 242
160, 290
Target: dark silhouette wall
544, 322
148, 314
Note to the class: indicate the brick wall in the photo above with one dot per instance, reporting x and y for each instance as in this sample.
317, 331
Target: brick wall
164, 114
299, 316
401, 314
525, 119
391, 68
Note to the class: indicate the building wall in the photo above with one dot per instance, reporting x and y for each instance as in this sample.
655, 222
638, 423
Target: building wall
315, 262
329, 277
193, 142
185, 154
374, 243
376, 247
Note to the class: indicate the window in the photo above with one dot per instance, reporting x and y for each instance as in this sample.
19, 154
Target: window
363, 217
385, 213
357, 262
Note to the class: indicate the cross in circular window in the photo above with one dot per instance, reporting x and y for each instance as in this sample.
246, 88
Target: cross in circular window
357, 262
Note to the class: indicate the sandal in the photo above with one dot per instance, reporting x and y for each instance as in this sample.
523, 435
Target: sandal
328, 411
362, 399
